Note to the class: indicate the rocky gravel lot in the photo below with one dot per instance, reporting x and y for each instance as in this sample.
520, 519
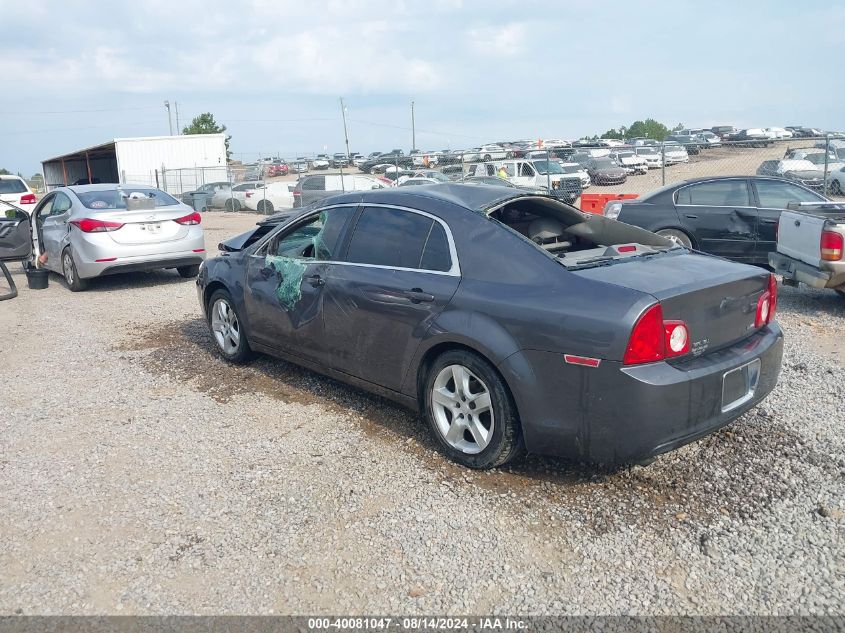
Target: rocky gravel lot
140, 474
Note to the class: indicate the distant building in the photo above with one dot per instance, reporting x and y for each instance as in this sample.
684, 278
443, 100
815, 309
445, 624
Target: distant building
171, 162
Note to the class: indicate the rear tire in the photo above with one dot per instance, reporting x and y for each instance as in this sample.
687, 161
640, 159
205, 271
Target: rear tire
835, 187
74, 283
678, 237
471, 412
226, 328
188, 272
265, 206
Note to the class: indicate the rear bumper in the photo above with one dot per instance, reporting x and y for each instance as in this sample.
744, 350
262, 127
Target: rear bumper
89, 248
791, 268
615, 414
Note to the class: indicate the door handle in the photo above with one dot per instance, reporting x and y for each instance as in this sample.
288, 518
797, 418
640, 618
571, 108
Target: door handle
316, 281
691, 216
769, 221
416, 295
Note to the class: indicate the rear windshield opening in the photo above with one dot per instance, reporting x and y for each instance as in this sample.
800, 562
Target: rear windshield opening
575, 238
116, 198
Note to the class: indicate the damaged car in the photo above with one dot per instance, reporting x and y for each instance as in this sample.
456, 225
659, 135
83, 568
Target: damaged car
734, 216
510, 320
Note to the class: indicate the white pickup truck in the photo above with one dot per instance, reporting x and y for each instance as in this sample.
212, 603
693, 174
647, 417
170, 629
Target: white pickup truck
811, 245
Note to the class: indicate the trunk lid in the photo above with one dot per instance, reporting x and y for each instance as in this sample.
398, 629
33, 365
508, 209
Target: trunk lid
717, 299
146, 226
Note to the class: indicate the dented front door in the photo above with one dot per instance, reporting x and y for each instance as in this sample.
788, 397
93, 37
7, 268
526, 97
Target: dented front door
284, 304
285, 283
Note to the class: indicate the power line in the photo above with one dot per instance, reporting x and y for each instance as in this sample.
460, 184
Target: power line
402, 127
81, 111
74, 129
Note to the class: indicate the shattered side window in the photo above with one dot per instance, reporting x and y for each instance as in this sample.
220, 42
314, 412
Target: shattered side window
317, 239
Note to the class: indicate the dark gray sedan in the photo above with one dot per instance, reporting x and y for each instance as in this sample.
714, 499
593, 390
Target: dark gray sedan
510, 320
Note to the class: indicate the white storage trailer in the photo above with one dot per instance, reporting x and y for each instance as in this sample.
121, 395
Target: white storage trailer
174, 163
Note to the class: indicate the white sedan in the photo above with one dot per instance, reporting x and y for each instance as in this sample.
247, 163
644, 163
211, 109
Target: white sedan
268, 198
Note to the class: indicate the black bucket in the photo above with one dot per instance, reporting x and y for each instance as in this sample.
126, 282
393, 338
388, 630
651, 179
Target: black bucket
37, 278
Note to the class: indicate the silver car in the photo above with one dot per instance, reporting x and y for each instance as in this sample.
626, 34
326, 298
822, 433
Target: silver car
88, 231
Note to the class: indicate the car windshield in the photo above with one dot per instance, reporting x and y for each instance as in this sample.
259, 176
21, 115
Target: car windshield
570, 169
625, 154
604, 163
646, 150
116, 198
12, 185
547, 167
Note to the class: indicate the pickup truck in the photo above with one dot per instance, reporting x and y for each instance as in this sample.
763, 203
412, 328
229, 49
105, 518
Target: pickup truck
811, 245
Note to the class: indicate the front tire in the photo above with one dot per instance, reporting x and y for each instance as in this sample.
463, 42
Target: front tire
678, 237
227, 329
471, 412
232, 205
835, 187
188, 272
70, 273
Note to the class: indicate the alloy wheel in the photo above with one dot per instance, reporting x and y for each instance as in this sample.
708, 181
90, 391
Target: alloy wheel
463, 410
67, 267
225, 325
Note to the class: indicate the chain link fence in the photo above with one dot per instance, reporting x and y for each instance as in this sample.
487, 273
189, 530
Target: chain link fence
574, 171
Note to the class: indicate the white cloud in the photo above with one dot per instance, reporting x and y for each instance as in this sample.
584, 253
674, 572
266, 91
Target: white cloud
508, 40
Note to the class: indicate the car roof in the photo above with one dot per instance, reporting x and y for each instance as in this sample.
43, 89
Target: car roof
476, 198
10, 177
106, 186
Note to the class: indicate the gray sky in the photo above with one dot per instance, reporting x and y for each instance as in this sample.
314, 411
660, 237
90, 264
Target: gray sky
272, 70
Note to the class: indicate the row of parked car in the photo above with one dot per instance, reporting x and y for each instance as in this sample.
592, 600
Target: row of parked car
692, 139
819, 168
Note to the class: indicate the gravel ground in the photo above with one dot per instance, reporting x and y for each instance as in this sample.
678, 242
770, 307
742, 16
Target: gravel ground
140, 474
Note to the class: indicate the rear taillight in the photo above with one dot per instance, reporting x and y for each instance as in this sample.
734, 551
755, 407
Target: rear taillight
296, 193
773, 297
767, 304
676, 338
654, 339
831, 246
28, 198
764, 308
646, 344
193, 218
87, 225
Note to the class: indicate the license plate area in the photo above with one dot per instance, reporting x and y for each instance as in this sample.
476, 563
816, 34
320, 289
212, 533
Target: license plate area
739, 385
151, 227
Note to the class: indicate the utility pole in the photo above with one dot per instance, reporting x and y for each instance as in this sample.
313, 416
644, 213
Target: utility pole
345, 133
413, 129
178, 129
169, 120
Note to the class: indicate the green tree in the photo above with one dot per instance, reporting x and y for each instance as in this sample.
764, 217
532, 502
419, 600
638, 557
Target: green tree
5, 172
613, 133
649, 129
678, 127
205, 124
